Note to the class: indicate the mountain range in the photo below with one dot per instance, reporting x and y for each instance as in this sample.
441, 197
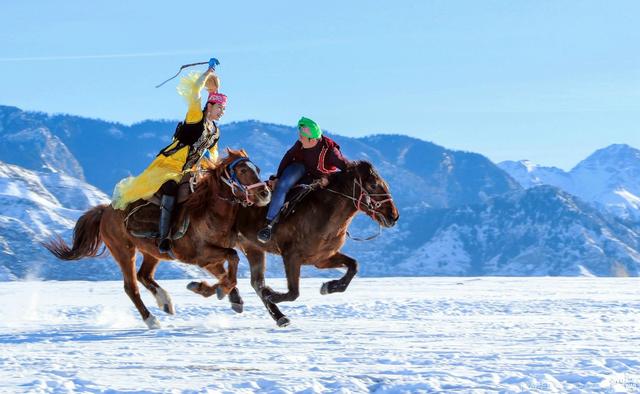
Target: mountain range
460, 213
608, 179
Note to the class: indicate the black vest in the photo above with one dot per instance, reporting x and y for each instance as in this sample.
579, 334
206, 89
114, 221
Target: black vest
197, 137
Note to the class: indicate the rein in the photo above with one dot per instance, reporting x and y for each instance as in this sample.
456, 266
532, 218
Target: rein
372, 205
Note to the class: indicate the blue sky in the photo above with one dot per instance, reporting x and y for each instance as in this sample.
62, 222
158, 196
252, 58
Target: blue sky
545, 80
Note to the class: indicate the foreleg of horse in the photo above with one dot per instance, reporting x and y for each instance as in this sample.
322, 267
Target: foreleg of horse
257, 264
126, 257
212, 259
227, 279
205, 289
336, 261
145, 276
292, 269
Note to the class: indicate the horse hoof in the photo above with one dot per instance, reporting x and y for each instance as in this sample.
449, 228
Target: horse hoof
152, 323
169, 309
283, 321
220, 293
237, 308
193, 286
164, 302
324, 289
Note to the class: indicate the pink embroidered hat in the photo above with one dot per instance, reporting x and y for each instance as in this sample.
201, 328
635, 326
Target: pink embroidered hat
217, 98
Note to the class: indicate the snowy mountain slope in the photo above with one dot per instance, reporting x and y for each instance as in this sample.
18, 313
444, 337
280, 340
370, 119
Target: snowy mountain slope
35, 207
38, 149
608, 179
540, 231
531, 175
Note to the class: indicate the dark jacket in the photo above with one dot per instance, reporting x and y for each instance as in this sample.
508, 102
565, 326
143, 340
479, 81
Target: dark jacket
321, 160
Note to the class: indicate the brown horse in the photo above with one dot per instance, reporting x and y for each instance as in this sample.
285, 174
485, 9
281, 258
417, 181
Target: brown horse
207, 243
315, 232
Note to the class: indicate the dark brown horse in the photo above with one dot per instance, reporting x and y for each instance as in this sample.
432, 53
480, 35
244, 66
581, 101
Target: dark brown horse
315, 232
207, 243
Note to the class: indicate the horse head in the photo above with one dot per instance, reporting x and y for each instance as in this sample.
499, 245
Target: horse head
243, 177
371, 194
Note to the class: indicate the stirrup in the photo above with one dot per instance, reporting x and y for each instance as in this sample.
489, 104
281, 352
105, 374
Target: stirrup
264, 235
164, 246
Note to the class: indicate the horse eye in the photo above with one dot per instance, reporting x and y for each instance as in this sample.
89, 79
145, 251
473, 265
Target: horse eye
243, 171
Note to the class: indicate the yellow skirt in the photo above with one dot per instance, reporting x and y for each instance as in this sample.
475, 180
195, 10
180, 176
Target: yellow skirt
144, 186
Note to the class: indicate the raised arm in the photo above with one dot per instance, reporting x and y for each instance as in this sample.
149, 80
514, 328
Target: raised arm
190, 87
194, 113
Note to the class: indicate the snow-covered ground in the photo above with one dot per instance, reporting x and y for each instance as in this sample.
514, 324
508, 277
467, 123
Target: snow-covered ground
382, 335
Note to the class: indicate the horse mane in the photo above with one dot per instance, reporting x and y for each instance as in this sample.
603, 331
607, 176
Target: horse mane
207, 187
355, 169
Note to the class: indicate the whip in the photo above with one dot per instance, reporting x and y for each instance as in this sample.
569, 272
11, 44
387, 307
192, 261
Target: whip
213, 62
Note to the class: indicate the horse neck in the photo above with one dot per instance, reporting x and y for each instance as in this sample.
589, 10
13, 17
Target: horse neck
222, 207
344, 209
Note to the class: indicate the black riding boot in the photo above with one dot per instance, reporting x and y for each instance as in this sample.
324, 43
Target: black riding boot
265, 234
166, 209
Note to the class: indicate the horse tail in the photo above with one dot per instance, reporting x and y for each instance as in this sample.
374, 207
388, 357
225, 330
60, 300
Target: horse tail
86, 237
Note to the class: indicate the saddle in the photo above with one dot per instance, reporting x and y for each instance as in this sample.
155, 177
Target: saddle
142, 216
293, 198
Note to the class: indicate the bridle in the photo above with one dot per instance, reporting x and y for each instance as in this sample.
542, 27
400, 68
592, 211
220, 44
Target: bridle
371, 204
366, 203
230, 178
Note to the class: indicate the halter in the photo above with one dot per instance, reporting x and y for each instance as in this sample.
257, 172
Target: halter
234, 183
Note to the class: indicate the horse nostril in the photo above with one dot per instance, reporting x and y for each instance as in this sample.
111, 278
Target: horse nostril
264, 194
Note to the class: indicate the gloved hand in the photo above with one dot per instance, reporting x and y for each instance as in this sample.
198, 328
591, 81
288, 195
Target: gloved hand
320, 183
213, 62
271, 183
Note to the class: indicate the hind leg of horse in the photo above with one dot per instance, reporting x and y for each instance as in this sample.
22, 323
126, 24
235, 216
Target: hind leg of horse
292, 269
338, 260
146, 277
257, 263
126, 258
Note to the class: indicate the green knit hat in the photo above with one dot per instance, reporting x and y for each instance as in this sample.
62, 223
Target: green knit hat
314, 129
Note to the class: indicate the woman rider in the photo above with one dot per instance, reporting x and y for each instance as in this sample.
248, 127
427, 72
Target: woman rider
195, 142
312, 157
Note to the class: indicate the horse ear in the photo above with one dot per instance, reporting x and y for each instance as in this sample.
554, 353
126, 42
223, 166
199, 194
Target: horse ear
365, 168
243, 153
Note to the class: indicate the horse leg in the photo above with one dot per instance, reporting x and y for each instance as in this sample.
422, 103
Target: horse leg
336, 261
126, 258
213, 262
145, 276
232, 274
292, 269
257, 263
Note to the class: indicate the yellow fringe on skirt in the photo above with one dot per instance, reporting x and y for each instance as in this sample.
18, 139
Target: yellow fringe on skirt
144, 186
